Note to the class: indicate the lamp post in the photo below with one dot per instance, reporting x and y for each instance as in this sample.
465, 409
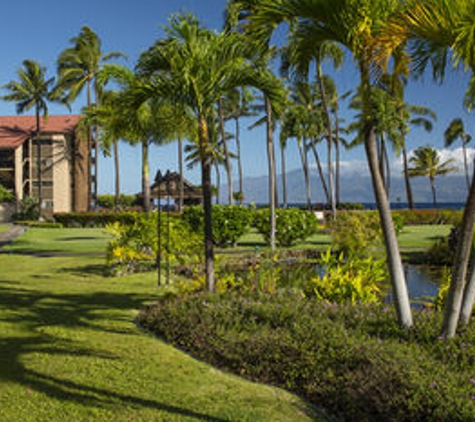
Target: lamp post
158, 181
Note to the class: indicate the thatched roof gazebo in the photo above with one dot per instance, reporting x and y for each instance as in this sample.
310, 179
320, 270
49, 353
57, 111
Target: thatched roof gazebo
168, 185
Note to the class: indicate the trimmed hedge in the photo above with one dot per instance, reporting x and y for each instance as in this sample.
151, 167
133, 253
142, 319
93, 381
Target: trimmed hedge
292, 225
415, 217
353, 360
95, 219
230, 222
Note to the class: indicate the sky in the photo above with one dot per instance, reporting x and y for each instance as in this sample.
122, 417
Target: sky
41, 30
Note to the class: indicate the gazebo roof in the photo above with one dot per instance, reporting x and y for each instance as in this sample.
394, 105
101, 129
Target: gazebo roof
169, 185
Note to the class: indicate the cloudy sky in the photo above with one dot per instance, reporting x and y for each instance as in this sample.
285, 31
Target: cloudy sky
41, 30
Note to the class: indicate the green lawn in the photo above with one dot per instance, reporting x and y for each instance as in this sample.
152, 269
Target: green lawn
412, 237
70, 350
3, 227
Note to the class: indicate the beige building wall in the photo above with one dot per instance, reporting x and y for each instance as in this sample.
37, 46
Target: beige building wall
62, 198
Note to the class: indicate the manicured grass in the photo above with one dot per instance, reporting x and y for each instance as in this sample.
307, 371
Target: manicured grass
70, 350
422, 237
3, 227
58, 241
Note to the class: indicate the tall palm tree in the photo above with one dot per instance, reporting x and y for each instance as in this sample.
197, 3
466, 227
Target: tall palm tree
32, 90
78, 67
236, 106
321, 20
426, 162
440, 33
300, 51
454, 131
193, 68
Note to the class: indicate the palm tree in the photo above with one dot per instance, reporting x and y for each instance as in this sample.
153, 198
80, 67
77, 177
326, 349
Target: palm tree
237, 105
193, 68
454, 131
440, 32
78, 67
426, 162
32, 90
301, 50
321, 20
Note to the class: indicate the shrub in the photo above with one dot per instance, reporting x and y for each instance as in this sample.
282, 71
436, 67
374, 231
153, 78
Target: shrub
413, 217
292, 225
229, 222
352, 359
29, 209
351, 279
125, 201
95, 219
134, 247
6, 195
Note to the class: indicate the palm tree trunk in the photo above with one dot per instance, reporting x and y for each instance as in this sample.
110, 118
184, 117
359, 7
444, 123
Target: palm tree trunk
452, 311
271, 162
410, 199
393, 256
337, 160
218, 181
39, 170
180, 167
320, 171
117, 175
238, 150
207, 209
465, 163
328, 125
145, 177
432, 188
89, 149
227, 161
304, 161
283, 175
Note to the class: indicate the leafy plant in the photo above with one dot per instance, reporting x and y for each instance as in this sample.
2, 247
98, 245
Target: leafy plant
6, 195
292, 225
358, 233
348, 279
29, 209
229, 222
134, 247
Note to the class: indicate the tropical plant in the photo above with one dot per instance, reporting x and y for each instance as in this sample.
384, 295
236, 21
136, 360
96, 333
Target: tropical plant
454, 131
32, 90
193, 68
78, 67
356, 25
426, 162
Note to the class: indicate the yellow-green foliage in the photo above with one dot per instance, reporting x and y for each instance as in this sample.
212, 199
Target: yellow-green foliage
134, 247
352, 279
359, 233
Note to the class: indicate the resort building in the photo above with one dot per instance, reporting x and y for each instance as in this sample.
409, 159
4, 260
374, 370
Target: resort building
56, 159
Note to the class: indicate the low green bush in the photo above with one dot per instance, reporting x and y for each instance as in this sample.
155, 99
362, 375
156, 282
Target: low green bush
354, 360
134, 247
6, 195
29, 209
349, 279
39, 224
417, 217
95, 219
292, 225
125, 201
230, 222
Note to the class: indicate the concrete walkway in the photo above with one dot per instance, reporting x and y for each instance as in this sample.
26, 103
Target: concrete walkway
10, 234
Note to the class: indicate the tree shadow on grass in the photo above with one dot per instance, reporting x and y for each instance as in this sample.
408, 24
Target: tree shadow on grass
41, 311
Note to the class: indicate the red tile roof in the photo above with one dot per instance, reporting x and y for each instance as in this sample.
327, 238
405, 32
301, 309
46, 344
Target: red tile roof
14, 130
